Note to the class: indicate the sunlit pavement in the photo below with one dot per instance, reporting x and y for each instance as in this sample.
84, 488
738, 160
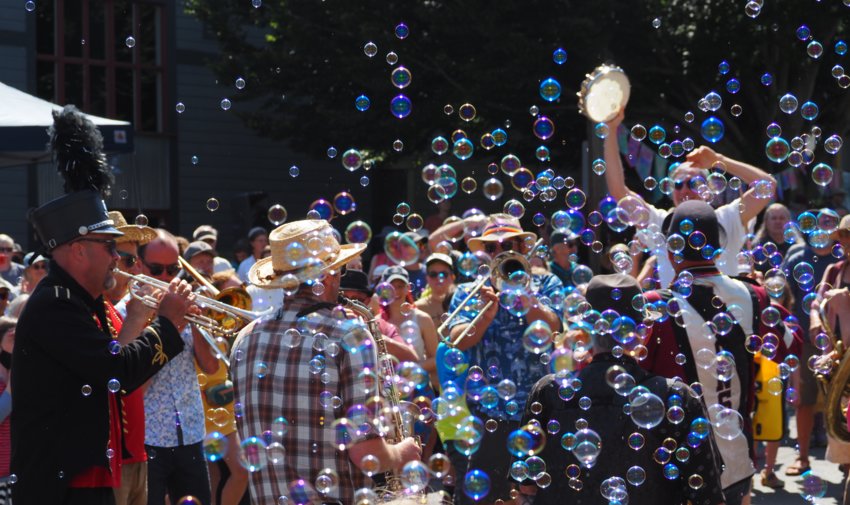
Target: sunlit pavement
829, 472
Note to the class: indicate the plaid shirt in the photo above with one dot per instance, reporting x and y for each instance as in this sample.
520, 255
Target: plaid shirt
273, 377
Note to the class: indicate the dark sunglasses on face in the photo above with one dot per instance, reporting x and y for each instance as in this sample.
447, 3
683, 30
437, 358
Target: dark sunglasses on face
692, 183
438, 275
508, 245
39, 266
6, 250
128, 259
110, 244
156, 269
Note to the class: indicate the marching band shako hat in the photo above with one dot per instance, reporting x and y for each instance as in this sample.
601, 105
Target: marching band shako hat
77, 147
71, 216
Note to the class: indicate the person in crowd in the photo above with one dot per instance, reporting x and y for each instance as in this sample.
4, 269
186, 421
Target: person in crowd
834, 286
174, 413
601, 406
495, 345
258, 240
202, 258
415, 326
130, 316
773, 230
241, 251
441, 286
434, 221
35, 268
717, 355
208, 234
563, 247
355, 286
817, 257
68, 449
274, 359
11, 271
688, 180
6, 290
7, 345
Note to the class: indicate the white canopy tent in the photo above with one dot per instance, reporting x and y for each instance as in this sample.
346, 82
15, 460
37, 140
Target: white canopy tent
24, 120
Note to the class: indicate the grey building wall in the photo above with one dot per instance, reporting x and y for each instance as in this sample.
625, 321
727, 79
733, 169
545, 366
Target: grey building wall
14, 71
232, 160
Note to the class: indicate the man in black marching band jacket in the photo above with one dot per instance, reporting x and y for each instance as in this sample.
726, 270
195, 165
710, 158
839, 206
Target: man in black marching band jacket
68, 367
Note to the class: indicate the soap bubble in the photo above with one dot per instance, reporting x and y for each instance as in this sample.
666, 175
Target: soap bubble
559, 56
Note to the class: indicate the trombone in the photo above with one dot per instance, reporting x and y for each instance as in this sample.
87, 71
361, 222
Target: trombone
504, 265
201, 321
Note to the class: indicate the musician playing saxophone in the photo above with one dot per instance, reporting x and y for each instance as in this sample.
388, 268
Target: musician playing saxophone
305, 379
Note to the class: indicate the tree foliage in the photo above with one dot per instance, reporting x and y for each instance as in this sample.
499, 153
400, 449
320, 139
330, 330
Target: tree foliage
304, 64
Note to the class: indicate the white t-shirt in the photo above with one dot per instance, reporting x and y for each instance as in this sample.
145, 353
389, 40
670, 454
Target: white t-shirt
729, 218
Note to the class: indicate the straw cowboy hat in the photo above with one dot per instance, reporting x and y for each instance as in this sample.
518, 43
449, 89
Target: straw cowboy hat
500, 227
132, 233
303, 249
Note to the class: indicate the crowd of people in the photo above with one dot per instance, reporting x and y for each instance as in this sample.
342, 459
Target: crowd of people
487, 366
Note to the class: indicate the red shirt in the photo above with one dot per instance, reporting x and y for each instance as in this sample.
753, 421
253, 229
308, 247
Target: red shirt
132, 408
109, 476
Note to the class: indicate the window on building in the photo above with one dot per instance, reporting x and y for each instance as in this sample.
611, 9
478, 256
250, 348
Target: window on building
105, 56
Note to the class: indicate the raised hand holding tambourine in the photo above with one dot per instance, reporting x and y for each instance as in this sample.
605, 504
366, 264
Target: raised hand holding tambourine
604, 93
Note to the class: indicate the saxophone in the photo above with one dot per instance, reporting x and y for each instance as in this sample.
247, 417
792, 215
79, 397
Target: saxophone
399, 429
835, 383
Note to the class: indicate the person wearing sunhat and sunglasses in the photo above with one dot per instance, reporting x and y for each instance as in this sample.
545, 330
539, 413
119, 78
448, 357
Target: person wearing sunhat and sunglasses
69, 367
689, 182
495, 344
602, 403
290, 379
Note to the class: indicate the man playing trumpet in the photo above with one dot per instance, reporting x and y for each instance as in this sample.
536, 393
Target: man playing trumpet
495, 344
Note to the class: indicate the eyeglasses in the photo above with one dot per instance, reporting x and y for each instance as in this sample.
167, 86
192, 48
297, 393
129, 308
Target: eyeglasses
156, 269
6, 250
128, 259
39, 266
435, 275
111, 245
507, 245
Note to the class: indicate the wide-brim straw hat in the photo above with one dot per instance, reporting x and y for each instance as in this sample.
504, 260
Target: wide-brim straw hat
132, 233
303, 249
500, 227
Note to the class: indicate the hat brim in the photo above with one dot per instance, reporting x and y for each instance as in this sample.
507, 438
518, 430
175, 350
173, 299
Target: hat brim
139, 234
262, 272
476, 244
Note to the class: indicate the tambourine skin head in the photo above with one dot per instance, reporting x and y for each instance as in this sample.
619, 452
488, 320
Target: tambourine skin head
603, 93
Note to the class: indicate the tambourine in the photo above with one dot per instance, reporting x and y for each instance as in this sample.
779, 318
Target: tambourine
603, 93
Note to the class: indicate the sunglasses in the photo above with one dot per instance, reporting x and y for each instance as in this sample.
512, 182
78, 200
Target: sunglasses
156, 269
438, 275
111, 245
128, 259
692, 183
6, 250
39, 266
507, 245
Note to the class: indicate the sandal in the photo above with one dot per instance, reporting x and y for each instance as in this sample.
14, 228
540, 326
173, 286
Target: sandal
771, 480
797, 468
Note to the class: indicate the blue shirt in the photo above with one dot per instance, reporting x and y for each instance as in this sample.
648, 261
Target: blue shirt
500, 352
173, 401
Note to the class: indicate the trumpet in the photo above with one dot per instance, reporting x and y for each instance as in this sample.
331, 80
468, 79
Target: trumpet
202, 302
503, 267
237, 297
835, 383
